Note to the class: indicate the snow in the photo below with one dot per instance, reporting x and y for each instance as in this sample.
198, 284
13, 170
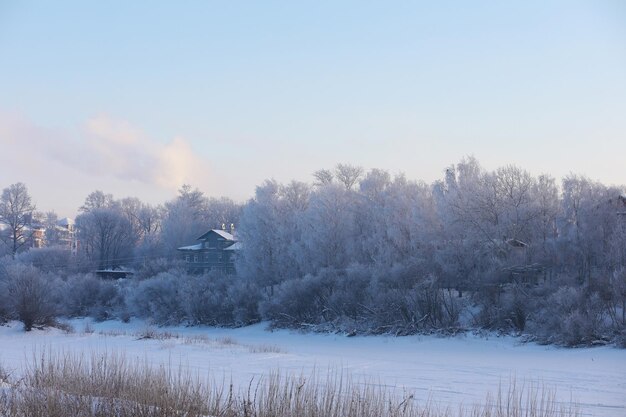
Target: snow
223, 234
234, 246
447, 371
66, 221
191, 247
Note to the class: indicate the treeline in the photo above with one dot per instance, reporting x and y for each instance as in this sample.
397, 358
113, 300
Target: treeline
365, 252
501, 250
110, 232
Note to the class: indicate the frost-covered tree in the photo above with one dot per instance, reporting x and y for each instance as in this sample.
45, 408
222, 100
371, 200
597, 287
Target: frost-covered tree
323, 177
145, 227
348, 175
259, 261
105, 236
327, 231
589, 222
516, 211
372, 252
221, 212
191, 213
16, 213
97, 200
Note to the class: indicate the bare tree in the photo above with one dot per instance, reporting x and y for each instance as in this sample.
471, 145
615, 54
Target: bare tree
96, 200
348, 175
16, 212
323, 177
193, 198
105, 236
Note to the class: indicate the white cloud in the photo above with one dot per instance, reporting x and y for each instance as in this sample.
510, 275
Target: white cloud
106, 147
177, 164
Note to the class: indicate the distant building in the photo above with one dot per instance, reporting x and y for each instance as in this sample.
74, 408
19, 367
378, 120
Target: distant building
66, 234
215, 252
30, 236
38, 236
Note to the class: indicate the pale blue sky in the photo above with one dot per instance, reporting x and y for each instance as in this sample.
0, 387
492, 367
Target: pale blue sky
226, 94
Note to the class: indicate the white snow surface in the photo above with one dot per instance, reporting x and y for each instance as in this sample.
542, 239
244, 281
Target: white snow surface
446, 371
223, 234
197, 246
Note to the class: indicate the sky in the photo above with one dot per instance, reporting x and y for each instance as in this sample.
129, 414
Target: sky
138, 98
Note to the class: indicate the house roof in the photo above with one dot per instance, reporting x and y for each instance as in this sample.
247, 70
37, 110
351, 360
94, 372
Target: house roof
66, 221
221, 233
191, 247
234, 246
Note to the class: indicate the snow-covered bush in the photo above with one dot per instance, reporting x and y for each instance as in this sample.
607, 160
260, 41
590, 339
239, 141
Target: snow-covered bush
158, 298
245, 297
301, 301
156, 266
53, 259
207, 300
570, 317
4, 301
504, 307
213, 299
88, 295
30, 296
422, 307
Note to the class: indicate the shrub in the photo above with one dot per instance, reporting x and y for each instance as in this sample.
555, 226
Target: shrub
47, 259
87, 295
158, 298
154, 267
220, 299
299, 302
569, 317
30, 296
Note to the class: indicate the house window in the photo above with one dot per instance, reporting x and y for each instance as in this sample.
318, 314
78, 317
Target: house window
186, 258
195, 258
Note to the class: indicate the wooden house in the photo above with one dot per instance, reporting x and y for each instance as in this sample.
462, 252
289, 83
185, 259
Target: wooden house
215, 252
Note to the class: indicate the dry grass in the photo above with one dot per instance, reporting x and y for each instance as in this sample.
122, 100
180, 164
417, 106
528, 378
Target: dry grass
197, 339
265, 348
114, 333
105, 385
87, 328
151, 333
227, 341
5, 376
59, 385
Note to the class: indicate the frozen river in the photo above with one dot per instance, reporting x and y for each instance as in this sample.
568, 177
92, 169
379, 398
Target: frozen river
446, 371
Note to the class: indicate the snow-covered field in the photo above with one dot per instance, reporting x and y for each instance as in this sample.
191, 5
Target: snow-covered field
448, 371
